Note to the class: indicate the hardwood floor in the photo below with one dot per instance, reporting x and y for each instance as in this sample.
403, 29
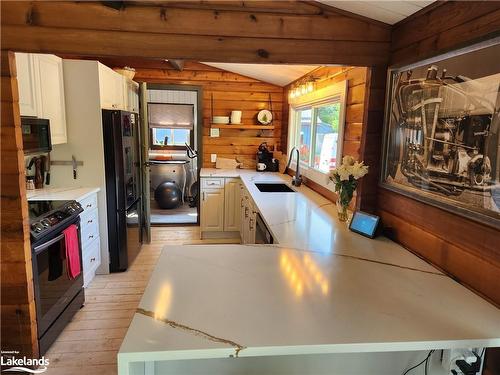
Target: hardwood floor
90, 342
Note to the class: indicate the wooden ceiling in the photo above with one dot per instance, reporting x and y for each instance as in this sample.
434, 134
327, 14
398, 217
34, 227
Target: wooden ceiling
389, 12
280, 75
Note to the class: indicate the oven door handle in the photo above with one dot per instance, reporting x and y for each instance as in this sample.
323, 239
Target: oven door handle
48, 243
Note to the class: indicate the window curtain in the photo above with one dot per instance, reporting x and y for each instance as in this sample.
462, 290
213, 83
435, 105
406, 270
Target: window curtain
171, 116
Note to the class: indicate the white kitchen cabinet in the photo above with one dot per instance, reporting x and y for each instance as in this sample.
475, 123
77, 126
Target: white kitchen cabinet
82, 81
90, 238
111, 88
41, 91
212, 210
50, 79
131, 95
232, 207
26, 84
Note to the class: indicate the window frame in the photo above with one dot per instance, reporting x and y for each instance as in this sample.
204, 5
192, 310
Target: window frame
336, 93
152, 146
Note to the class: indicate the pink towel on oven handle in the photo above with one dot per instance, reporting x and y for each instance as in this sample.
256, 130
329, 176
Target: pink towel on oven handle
72, 251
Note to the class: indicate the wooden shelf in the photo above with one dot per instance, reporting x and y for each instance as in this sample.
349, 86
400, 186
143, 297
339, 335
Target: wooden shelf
242, 127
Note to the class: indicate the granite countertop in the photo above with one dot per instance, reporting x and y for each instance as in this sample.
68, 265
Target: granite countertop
218, 301
61, 193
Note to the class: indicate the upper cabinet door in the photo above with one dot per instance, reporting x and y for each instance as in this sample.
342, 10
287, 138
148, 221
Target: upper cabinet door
111, 87
131, 95
50, 87
26, 84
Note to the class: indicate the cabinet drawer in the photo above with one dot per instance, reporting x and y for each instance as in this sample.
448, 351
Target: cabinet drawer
89, 203
89, 217
89, 223
212, 183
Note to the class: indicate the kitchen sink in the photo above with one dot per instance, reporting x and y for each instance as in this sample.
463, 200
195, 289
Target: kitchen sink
273, 188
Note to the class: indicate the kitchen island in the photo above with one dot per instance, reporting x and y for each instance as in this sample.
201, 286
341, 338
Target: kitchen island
229, 309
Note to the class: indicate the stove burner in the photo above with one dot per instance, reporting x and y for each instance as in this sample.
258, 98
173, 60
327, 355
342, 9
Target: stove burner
47, 216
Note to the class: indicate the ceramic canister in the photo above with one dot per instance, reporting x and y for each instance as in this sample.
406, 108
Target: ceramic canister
235, 117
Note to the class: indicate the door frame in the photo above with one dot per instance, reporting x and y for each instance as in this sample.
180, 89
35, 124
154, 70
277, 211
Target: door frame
199, 127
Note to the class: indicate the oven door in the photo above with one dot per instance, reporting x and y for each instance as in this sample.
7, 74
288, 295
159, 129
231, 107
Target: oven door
54, 290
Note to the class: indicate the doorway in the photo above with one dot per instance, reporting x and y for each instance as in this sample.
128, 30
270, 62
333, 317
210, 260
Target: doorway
174, 116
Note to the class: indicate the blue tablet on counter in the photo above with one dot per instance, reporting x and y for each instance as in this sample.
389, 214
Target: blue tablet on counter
364, 223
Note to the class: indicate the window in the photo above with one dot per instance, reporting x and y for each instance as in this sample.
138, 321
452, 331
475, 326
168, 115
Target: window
317, 135
317, 129
171, 125
170, 137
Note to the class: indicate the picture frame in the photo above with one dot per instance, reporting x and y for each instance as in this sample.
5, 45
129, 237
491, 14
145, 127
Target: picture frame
441, 137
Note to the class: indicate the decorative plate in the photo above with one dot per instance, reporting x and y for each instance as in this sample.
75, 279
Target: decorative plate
265, 117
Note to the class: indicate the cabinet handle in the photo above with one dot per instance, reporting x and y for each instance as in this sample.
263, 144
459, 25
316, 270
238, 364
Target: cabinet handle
212, 183
88, 205
92, 259
89, 221
91, 236
203, 195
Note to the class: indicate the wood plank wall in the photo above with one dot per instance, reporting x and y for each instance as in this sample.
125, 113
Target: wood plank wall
230, 91
463, 248
17, 299
363, 121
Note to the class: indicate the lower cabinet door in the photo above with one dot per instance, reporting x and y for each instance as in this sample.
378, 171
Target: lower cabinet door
232, 205
252, 217
91, 260
212, 210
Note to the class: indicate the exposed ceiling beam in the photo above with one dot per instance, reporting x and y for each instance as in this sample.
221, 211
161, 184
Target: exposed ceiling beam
192, 34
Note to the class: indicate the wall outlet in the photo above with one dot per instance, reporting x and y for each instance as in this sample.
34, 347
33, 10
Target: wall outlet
213, 158
214, 132
451, 356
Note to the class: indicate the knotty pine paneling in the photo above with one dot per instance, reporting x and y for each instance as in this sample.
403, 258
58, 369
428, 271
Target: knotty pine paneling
230, 91
463, 248
18, 327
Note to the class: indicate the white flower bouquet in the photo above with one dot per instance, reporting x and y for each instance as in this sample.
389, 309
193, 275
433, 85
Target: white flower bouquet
345, 177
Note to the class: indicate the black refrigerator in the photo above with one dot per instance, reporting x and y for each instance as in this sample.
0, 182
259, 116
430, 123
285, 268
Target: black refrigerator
123, 186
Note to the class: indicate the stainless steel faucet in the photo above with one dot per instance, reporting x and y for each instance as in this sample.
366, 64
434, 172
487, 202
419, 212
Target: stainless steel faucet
297, 179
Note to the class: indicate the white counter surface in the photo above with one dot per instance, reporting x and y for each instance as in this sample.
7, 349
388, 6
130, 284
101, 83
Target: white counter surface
61, 193
322, 289
309, 221
217, 301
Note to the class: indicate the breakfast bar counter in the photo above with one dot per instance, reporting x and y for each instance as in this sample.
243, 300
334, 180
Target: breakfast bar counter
222, 305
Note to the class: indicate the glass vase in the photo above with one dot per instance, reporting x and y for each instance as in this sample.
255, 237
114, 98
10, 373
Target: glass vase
342, 210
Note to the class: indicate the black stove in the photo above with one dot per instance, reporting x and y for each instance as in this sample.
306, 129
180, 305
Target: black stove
51, 215
57, 296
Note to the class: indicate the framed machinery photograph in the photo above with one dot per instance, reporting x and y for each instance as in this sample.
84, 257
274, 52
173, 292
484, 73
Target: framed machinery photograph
441, 132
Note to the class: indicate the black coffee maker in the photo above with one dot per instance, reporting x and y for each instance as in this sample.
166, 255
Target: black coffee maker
265, 160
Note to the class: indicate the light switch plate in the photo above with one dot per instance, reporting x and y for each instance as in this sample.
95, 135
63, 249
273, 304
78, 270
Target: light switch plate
214, 132
213, 158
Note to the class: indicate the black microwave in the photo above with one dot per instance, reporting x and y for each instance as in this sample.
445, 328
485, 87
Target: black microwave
36, 135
